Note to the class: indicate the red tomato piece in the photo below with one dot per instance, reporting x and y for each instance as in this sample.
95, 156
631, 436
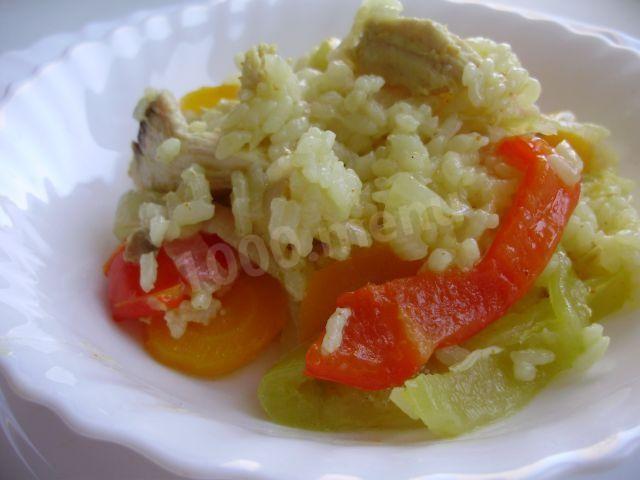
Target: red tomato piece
127, 299
182, 264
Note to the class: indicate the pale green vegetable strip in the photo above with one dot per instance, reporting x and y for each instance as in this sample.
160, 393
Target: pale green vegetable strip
291, 398
515, 328
609, 294
456, 402
568, 297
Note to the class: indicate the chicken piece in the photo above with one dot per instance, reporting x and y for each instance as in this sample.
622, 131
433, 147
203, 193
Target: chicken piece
162, 120
418, 54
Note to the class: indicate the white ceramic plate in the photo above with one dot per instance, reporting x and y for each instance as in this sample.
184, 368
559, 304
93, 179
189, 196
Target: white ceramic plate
64, 148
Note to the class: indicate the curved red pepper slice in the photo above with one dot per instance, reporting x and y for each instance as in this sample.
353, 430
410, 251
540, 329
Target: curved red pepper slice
394, 327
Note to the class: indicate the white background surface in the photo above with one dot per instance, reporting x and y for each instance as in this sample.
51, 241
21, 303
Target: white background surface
33, 32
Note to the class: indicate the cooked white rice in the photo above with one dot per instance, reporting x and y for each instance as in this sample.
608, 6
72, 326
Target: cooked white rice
332, 154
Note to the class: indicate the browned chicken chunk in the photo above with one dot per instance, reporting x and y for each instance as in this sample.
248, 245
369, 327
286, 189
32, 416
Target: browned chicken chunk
162, 120
418, 54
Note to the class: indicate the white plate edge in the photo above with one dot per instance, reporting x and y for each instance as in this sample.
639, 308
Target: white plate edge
607, 452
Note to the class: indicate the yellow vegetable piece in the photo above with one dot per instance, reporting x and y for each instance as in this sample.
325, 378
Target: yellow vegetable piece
207, 97
253, 312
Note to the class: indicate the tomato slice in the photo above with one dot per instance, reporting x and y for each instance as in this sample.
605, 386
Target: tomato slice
394, 327
127, 299
254, 310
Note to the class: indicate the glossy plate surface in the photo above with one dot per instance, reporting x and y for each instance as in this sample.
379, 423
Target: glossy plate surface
64, 149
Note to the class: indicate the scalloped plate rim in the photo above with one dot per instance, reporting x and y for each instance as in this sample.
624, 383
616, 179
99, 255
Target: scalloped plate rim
609, 451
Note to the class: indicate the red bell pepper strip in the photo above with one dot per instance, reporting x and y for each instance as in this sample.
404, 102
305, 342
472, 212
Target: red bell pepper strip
394, 327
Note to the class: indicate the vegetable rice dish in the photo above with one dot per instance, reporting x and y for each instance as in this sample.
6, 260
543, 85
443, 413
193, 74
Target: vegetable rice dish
427, 248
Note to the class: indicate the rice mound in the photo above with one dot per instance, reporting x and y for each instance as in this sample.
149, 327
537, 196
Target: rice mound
337, 159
